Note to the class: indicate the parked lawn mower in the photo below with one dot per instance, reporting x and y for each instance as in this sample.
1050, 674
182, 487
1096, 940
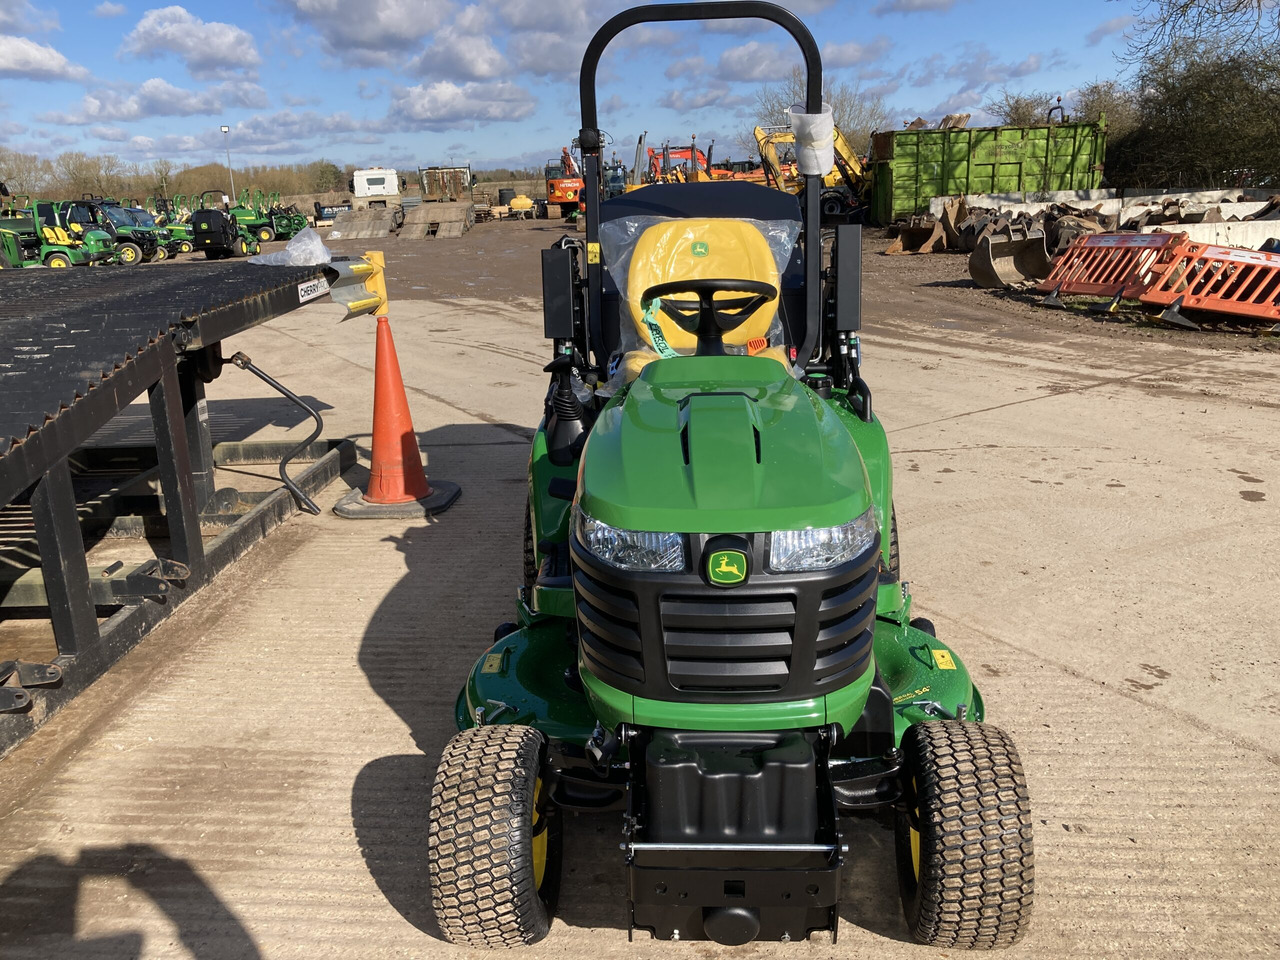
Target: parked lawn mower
712, 634
265, 218
220, 237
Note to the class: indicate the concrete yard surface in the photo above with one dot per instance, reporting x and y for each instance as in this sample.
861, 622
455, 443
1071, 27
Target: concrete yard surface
1091, 518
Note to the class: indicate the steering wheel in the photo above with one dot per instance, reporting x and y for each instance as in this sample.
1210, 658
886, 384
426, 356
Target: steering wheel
706, 319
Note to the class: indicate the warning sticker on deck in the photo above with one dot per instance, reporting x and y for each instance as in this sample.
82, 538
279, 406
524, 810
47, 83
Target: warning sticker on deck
312, 289
943, 659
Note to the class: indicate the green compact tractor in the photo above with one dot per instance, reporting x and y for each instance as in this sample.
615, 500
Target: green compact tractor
712, 635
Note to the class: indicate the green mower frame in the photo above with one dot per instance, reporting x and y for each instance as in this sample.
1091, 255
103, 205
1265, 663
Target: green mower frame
713, 635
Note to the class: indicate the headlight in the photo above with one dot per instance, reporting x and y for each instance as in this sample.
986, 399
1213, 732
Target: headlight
824, 547
632, 549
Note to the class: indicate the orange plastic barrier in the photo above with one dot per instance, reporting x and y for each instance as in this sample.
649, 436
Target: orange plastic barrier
1111, 264
1223, 279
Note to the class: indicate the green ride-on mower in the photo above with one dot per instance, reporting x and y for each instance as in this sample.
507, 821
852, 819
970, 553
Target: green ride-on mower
712, 635
264, 217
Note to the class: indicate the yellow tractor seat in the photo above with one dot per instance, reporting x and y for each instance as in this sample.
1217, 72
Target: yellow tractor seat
699, 250
56, 235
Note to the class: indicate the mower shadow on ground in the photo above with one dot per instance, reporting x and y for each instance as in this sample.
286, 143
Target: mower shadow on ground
40, 899
459, 583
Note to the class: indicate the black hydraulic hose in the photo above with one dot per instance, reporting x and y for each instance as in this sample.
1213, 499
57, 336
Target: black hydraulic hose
306, 503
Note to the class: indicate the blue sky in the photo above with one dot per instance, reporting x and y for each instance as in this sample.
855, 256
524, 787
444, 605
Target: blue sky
407, 82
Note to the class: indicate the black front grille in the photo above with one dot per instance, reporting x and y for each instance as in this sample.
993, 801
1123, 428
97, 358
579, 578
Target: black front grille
775, 637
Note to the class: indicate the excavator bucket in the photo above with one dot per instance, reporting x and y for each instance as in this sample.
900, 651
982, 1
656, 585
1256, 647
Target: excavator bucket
924, 238
954, 212
998, 262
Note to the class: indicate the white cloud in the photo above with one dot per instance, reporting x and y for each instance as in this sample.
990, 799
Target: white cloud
756, 62
577, 17
1109, 27
210, 50
110, 134
912, 6
373, 32
705, 95
108, 9
545, 53
26, 59
449, 106
24, 16
852, 53
688, 67
462, 50
160, 98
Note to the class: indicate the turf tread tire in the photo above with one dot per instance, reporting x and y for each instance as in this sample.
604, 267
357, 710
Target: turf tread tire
977, 863
480, 857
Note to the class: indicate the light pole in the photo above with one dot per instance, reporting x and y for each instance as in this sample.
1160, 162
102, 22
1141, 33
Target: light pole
226, 136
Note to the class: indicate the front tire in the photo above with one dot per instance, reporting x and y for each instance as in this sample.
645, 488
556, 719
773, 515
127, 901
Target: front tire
161, 254
185, 246
966, 867
266, 234
494, 845
130, 254
57, 260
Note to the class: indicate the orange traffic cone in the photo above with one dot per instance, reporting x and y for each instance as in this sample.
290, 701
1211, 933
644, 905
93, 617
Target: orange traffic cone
397, 482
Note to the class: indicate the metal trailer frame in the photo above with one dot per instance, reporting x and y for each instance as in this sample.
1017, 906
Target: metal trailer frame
80, 349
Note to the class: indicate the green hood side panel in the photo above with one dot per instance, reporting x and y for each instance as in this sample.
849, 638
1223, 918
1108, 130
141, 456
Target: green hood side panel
721, 445
521, 679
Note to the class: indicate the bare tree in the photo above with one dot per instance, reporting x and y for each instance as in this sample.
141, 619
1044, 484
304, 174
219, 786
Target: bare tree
1226, 24
1111, 99
1020, 109
857, 115
25, 172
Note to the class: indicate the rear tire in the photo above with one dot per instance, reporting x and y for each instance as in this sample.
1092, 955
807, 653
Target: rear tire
967, 874
494, 845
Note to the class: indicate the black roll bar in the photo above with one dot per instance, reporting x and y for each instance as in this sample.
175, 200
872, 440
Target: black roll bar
589, 138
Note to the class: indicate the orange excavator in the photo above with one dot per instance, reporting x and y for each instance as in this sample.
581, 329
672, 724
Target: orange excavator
680, 164
564, 183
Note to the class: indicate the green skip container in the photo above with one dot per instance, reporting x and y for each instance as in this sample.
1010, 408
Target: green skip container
911, 167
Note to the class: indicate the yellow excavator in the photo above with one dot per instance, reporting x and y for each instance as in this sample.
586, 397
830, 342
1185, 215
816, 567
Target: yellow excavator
844, 189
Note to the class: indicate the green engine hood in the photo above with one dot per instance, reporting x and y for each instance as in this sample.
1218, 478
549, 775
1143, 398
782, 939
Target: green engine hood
721, 445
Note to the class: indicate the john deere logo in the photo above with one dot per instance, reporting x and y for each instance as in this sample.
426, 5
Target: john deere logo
727, 567
699, 248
